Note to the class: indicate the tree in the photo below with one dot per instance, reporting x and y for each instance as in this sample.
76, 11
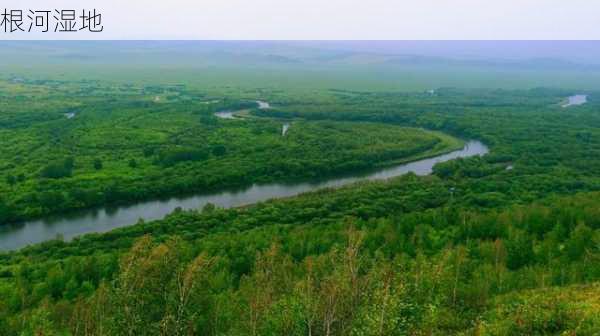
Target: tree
272, 271
5, 212
60, 169
172, 156
146, 272
148, 151
219, 150
386, 310
133, 163
55, 171
69, 162
189, 283
71, 289
98, 164
519, 248
580, 240
209, 207
40, 322
51, 199
11, 180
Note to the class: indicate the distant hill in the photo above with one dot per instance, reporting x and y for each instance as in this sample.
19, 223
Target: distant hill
261, 53
355, 65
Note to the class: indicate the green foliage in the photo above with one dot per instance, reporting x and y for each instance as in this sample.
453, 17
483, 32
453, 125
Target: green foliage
57, 170
131, 148
170, 157
432, 271
11, 180
551, 311
98, 164
5, 211
474, 249
219, 150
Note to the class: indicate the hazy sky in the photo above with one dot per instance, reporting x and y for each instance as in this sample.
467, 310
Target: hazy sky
330, 19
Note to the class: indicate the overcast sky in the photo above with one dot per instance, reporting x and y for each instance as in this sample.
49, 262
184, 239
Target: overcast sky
330, 19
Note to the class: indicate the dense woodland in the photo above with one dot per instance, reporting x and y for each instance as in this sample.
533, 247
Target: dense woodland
139, 145
505, 244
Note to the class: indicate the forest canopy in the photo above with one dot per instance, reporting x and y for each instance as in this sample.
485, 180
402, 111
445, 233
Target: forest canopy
504, 244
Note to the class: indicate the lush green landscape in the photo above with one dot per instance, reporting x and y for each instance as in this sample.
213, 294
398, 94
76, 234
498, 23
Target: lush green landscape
504, 244
67, 150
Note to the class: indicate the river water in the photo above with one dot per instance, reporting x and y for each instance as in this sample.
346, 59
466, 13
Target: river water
107, 218
229, 114
576, 100
284, 128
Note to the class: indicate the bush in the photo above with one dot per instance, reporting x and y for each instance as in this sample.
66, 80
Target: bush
171, 157
56, 170
98, 164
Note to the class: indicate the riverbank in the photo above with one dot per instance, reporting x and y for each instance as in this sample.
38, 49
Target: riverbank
108, 218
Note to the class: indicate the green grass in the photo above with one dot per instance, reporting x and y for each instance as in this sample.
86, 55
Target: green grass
361, 78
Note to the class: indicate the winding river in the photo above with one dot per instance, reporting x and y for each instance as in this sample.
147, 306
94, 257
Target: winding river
105, 219
229, 114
